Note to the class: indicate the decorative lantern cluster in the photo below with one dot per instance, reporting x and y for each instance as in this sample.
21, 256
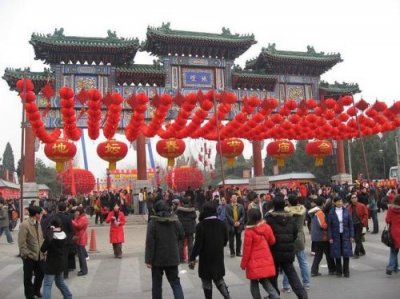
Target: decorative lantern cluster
170, 148
230, 148
113, 116
94, 114
280, 150
180, 178
112, 151
77, 181
26, 87
60, 152
319, 149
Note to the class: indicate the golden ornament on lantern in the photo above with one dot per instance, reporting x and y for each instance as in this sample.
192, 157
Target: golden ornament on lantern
280, 150
60, 152
230, 148
112, 151
319, 149
170, 148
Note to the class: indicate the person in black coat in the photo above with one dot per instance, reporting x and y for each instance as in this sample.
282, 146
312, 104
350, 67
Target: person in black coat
164, 232
55, 246
285, 231
187, 216
66, 220
211, 238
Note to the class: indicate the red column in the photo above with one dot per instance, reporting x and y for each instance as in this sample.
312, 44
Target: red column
141, 157
340, 165
257, 160
29, 159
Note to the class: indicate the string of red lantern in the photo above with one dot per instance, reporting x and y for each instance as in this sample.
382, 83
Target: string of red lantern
68, 114
26, 87
138, 103
94, 113
158, 117
113, 116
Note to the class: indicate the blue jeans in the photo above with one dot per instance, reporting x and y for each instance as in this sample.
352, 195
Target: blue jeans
6, 230
393, 262
172, 275
305, 274
59, 280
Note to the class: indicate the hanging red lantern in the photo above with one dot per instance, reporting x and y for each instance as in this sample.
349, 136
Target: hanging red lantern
60, 152
319, 149
170, 148
230, 148
112, 151
280, 150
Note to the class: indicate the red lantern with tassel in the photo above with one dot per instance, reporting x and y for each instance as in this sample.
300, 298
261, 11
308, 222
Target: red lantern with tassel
60, 152
170, 148
280, 150
230, 148
112, 151
319, 149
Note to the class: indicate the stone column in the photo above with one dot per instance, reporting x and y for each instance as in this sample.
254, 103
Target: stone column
257, 160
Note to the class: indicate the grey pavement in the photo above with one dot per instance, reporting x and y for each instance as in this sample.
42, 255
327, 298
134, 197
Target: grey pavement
129, 277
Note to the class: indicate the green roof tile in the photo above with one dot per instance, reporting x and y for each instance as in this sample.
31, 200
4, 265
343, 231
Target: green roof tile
11, 76
339, 88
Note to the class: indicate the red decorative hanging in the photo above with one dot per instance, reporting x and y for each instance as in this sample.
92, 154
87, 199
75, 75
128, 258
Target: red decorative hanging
280, 150
319, 149
112, 151
170, 148
230, 148
180, 178
60, 152
79, 180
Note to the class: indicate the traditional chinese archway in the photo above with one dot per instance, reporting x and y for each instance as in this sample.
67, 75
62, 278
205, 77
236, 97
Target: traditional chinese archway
94, 84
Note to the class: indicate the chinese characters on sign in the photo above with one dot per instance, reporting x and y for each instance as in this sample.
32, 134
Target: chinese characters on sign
112, 148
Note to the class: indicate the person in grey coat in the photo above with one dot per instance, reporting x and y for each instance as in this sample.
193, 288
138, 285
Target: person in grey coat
164, 232
5, 221
235, 219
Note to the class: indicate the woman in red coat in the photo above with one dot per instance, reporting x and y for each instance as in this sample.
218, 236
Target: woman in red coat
393, 220
117, 220
257, 259
80, 224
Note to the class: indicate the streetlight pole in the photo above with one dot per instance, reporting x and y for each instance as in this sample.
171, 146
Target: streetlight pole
384, 163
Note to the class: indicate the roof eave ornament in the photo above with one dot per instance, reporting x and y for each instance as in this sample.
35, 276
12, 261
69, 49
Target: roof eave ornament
58, 33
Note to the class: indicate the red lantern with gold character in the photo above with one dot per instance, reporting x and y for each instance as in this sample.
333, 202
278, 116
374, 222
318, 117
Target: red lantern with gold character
112, 151
280, 150
60, 152
170, 148
319, 149
230, 148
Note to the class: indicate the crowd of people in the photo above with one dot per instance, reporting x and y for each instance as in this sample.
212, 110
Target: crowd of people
266, 231
274, 224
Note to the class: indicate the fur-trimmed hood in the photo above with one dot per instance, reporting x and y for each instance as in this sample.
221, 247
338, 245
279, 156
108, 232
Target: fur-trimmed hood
296, 210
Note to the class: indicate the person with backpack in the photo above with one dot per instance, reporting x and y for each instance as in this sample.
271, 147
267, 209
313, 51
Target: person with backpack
319, 237
187, 216
55, 247
257, 259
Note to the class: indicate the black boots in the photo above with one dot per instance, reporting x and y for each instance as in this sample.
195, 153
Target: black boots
223, 289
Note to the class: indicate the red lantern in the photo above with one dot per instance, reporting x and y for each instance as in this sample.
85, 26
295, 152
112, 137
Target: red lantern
112, 151
319, 149
230, 148
60, 152
280, 150
180, 178
170, 148
83, 180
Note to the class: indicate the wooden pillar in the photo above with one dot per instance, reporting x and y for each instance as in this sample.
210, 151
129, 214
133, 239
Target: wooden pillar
340, 165
257, 160
29, 159
141, 157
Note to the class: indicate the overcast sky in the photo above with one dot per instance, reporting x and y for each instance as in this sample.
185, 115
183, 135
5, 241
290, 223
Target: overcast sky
366, 33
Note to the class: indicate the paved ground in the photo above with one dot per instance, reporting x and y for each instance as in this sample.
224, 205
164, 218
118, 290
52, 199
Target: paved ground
129, 278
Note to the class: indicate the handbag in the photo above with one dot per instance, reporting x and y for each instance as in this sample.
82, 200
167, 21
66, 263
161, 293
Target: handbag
386, 237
